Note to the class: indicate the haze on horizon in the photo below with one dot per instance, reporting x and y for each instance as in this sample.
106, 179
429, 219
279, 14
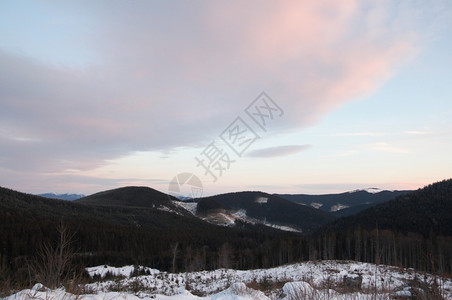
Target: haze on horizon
100, 95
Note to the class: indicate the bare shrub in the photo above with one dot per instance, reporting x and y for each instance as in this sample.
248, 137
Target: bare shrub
5, 285
53, 264
426, 289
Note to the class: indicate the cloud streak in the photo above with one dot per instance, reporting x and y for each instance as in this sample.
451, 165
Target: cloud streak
279, 151
367, 134
387, 147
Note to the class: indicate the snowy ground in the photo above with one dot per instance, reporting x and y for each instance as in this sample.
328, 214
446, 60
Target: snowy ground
308, 280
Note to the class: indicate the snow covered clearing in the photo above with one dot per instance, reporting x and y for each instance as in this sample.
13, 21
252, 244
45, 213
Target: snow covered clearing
221, 218
228, 218
307, 280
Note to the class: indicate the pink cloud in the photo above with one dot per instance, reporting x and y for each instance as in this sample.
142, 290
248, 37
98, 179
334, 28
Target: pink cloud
176, 75
313, 55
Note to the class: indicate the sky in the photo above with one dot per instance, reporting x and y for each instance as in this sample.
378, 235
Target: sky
279, 96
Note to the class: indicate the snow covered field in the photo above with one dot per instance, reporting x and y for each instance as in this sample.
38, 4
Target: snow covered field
307, 280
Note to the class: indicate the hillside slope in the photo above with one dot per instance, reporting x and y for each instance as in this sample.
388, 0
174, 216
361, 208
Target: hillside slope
264, 208
423, 211
133, 197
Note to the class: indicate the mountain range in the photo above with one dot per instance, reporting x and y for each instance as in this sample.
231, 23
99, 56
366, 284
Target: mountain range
338, 205
345, 204
140, 225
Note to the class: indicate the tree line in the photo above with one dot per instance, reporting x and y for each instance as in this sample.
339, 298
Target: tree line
168, 242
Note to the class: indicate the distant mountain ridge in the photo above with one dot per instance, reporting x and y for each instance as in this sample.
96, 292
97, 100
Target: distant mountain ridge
66, 196
344, 204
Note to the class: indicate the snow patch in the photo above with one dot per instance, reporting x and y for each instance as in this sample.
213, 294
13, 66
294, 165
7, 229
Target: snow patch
282, 227
241, 214
297, 290
183, 296
316, 205
406, 292
338, 207
191, 207
125, 271
370, 190
164, 208
220, 218
239, 291
261, 200
373, 190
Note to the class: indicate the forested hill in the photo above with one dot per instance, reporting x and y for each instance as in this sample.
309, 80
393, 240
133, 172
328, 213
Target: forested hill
425, 211
134, 197
156, 236
266, 208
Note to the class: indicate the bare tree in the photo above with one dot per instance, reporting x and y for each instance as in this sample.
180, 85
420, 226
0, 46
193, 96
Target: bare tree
54, 259
224, 256
174, 253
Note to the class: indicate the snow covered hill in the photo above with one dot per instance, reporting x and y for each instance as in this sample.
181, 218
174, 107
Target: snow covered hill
308, 280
